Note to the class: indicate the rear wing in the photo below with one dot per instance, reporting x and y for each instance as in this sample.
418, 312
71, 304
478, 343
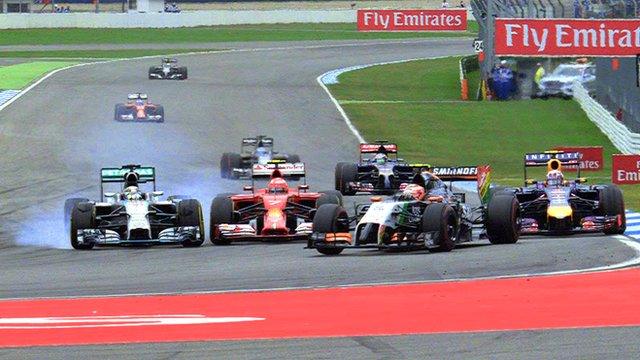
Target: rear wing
378, 148
553, 160
117, 175
278, 169
254, 141
136, 96
481, 174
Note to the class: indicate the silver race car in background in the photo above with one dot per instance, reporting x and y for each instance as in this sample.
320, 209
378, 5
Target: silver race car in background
131, 216
168, 69
255, 150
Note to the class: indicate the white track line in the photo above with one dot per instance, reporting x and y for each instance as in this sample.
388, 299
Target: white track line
635, 261
340, 71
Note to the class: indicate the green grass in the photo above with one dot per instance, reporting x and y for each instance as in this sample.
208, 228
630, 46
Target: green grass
273, 32
464, 133
16, 77
95, 54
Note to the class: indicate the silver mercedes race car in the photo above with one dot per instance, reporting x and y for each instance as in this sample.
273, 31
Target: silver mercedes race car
131, 216
168, 69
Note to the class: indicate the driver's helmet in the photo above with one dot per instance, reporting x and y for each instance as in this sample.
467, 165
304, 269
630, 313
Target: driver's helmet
139, 102
431, 181
380, 159
262, 151
555, 178
132, 193
413, 192
277, 185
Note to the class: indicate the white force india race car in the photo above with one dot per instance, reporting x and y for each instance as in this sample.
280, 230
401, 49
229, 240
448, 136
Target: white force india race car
424, 214
131, 216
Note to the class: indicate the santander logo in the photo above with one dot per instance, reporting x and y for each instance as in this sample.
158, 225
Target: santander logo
78, 322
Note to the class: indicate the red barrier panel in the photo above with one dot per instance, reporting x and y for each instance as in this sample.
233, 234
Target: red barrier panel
625, 169
412, 20
592, 157
567, 37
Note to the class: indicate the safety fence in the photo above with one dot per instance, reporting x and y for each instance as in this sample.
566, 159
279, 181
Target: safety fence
621, 137
167, 20
467, 65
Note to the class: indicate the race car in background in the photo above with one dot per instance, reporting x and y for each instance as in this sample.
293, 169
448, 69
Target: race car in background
255, 150
379, 171
559, 206
275, 213
138, 108
425, 214
131, 216
168, 69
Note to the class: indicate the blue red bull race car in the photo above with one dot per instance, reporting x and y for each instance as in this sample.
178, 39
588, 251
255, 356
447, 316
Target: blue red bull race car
560, 206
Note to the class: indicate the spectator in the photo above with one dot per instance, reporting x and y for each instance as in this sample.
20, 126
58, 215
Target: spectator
577, 9
445, 4
67, 9
462, 5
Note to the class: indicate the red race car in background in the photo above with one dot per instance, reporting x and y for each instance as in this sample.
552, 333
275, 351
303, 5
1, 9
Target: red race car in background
277, 212
138, 108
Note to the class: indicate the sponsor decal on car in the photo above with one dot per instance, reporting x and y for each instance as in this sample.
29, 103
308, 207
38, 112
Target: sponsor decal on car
412, 20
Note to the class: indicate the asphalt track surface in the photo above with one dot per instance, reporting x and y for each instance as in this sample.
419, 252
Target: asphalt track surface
56, 137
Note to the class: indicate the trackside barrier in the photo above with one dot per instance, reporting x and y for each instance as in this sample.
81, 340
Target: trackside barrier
623, 139
466, 64
167, 20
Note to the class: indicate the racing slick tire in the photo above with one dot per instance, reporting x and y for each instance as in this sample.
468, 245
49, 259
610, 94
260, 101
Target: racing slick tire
81, 218
228, 162
502, 219
294, 158
160, 111
119, 110
346, 173
152, 70
329, 197
330, 218
441, 219
612, 204
221, 213
190, 214
69, 204
183, 70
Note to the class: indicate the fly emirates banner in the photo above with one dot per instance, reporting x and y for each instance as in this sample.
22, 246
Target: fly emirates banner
567, 37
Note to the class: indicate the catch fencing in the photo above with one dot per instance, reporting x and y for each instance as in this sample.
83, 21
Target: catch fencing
621, 137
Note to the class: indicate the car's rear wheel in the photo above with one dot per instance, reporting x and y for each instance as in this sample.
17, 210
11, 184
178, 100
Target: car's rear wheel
329, 197
82, 217
294, 159
440, 220
502, 219
612, 204
221, 213
190, 214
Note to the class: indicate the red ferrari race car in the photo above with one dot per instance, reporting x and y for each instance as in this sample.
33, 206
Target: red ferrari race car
138, 108
275, 213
